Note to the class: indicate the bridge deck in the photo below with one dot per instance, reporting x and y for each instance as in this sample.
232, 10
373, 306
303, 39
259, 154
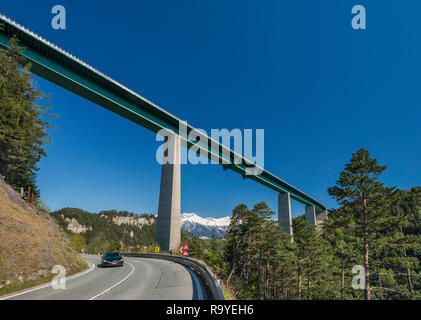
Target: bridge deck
60, 67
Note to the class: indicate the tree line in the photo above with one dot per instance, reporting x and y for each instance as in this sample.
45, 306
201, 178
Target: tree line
103, 234
375, 231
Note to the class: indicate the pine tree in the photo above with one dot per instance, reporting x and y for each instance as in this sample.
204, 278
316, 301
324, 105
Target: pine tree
214, 241
359, 190
339, 230
196, 248
261, 231
23, 132
239, 251
314, 258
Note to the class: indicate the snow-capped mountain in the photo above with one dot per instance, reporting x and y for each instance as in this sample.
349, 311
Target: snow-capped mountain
202, 227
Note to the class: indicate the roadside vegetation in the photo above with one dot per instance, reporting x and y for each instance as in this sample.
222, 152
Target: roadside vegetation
108, 230
375, 227
23, 125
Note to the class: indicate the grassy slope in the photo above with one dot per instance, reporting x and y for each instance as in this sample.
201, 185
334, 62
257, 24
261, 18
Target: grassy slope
30, 241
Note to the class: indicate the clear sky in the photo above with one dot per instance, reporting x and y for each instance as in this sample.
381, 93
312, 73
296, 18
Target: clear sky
296, 69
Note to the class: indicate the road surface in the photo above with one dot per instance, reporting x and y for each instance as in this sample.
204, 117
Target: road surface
138, 279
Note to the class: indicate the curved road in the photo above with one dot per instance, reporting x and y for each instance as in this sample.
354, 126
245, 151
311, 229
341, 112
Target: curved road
138, 279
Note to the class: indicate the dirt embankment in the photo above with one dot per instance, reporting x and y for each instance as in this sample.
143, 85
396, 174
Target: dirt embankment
30, 243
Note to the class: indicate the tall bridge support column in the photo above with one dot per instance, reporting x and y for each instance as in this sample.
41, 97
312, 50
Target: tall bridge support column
311, 215
284, 212
168, 227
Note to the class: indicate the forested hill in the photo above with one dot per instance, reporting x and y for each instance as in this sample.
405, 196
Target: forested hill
261, 262
107, 230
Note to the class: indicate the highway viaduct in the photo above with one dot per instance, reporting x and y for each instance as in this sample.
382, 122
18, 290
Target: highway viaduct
60, 67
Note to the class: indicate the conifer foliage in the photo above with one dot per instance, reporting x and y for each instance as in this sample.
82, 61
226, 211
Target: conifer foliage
23, 129
375, 226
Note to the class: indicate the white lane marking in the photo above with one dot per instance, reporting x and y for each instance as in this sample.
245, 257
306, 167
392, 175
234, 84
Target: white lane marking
92, 267
121, 281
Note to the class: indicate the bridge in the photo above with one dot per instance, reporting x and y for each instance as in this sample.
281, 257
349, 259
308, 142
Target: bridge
60, 67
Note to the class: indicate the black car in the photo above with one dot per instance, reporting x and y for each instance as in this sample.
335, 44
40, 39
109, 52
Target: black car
112, 259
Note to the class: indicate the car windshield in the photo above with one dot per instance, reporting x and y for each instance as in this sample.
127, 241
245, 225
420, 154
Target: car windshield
112, 254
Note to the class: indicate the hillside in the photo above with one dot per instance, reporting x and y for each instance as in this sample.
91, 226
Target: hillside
107, 230
117, 230
30, 244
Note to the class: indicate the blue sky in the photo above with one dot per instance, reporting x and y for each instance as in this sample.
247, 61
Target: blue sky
297, 69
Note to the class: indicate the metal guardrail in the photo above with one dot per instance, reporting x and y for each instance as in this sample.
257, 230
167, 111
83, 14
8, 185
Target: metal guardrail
212, 286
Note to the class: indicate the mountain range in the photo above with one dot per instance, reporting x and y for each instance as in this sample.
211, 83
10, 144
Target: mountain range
113, 224
202, 227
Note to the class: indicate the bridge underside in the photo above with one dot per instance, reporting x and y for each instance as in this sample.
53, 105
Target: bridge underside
58, 66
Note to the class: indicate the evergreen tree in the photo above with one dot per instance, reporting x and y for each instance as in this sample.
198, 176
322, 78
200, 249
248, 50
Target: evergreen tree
359, 190
339, 230
259, 244
196, 248
23, 130
214, 241
313, 255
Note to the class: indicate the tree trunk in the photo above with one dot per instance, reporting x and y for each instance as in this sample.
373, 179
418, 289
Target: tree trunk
342, 272
267, 278
408, 271
410, 286
343, 282
284, 287
366, 249
299, 283
229, 277
259, 275
309, 287
379, 280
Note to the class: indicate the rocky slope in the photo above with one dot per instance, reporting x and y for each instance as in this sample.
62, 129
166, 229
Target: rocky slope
30, 243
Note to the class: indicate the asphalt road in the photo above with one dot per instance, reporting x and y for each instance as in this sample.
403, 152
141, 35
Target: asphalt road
138, 279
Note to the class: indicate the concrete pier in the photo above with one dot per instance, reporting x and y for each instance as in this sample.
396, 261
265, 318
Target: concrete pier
284, 212
311, 215
168, 228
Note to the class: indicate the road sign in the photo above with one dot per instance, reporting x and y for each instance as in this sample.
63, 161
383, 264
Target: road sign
183, 250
